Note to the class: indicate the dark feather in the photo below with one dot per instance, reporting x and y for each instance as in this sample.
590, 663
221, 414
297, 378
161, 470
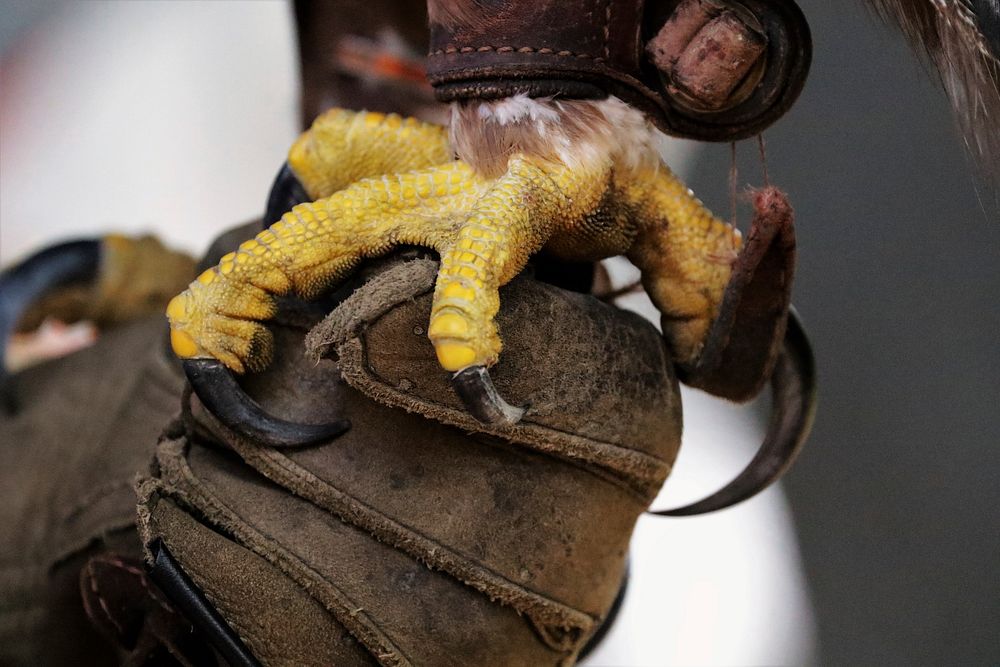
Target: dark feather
454, 14
962, 40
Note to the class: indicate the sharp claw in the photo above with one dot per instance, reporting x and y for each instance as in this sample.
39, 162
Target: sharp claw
793, 386
24, 284
475, 387
218, 390
286, 192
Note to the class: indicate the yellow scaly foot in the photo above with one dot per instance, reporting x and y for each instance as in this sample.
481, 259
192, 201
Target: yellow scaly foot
382, 181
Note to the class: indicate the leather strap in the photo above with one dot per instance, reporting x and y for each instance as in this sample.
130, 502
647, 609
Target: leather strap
189, 599
571, 48
589, 49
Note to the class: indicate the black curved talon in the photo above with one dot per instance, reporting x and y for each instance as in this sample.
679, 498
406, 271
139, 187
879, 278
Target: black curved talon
286, 192
475, 387
24, 284
793, 387
218, 390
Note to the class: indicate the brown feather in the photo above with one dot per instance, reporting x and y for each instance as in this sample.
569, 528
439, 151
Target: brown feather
959, 36
454, 14
485, 134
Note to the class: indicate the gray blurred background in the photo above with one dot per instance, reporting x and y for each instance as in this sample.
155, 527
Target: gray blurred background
895, 497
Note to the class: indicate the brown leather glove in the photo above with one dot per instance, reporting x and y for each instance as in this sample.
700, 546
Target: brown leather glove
84, 425
422, 536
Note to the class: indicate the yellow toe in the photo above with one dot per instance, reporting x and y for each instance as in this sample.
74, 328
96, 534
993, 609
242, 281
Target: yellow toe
455, 356
183, 344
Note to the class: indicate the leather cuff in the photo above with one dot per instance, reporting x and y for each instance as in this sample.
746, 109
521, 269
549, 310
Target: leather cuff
589, 49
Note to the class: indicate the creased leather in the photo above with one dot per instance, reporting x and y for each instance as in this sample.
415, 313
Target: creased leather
87, 423
575, 48
509, 547
590, 49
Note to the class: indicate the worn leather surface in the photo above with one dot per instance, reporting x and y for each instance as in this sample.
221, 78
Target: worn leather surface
575, 48
596, 48
87, 423
125, 606
597, 380
419, 537
278, 620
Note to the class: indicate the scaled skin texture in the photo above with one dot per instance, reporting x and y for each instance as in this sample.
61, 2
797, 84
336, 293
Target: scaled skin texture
380, 181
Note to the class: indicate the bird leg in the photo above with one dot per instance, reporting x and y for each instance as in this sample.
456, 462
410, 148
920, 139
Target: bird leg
484, 227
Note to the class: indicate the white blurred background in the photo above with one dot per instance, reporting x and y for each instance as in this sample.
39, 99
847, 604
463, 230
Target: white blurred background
163, 116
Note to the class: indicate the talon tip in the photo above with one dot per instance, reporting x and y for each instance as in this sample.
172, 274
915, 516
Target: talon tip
218, 390
475, 387
794, 399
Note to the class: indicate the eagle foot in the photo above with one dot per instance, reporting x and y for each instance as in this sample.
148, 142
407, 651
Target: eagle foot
377, 182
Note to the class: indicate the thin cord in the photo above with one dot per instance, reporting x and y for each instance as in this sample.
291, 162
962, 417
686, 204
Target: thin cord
733, 176
762, 145
612, 295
